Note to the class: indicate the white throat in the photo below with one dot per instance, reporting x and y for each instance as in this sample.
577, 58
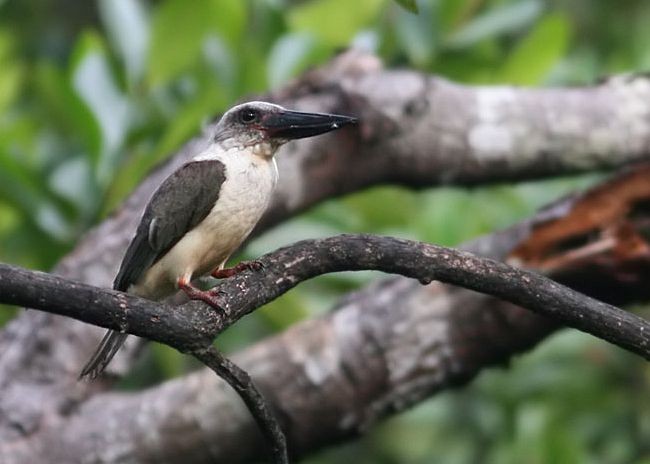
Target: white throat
224, 151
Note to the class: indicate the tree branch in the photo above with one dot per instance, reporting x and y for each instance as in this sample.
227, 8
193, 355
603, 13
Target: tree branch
241, 382
383, 349
418, 131
193, 326
190, 328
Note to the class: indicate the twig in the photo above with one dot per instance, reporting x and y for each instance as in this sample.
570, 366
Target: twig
241, 382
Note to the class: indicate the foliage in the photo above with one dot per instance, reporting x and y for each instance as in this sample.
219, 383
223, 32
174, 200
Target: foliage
92, 99
410, 5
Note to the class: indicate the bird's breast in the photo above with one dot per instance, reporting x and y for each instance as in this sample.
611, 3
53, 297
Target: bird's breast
243, 198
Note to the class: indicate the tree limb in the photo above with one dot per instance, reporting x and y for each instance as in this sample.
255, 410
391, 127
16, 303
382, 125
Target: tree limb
193, 326
418, 131
288, 266
241, 382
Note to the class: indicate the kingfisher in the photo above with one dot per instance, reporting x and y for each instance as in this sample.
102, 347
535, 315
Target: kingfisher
205, 209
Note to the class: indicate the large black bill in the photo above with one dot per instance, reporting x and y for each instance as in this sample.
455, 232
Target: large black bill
297, 125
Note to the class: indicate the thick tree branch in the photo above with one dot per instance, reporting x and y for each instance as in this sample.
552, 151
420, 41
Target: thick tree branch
193, 326
445, 336
96, 419
418, 131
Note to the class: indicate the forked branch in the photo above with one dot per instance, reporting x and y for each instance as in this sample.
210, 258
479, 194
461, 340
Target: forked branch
193, 326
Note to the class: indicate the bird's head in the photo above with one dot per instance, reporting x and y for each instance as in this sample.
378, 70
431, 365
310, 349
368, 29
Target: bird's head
263, 127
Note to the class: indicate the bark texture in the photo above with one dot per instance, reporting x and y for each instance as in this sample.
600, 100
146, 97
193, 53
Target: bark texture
418, 131
192, 327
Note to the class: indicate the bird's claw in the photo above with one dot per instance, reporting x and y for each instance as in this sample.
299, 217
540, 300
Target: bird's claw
210, 297
253, 265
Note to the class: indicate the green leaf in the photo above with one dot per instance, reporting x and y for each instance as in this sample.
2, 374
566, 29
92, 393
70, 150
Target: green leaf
641, 38
16, 193
252, 67
223, 63
188, 120
537, 53
335, 22
410, 5
21, 184
11, 77
169, 361
7, 313
169, 57
72, 180
128, 30
497, 21
11, 80
185, 124
415, 35
93, 82
285, 311
179, 31
370, 206
289, 55
438, 220
51, 220
229, 19
9, 218
63, 106
451, 14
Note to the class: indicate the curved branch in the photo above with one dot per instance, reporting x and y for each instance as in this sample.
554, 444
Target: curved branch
241, 382
193, 326
419, 131
382, 349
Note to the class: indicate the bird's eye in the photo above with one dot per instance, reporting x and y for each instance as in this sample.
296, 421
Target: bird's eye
248, 116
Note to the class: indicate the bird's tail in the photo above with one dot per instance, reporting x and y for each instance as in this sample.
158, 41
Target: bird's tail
107, 348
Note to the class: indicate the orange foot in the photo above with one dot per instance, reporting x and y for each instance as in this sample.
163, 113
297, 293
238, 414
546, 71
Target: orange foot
231, 271
209, 297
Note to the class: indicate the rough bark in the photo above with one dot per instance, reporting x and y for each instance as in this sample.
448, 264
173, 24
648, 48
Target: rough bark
418, 131
383, 349
193, 326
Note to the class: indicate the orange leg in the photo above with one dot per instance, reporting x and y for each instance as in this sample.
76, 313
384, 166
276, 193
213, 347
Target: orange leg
194, 293
231, 271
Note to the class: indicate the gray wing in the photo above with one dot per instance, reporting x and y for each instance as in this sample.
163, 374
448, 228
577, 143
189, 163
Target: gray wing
181, 202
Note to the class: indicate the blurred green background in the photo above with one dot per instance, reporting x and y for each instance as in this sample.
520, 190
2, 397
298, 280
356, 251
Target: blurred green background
93, 94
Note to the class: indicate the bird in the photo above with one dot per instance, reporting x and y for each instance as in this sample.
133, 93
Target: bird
202, 212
